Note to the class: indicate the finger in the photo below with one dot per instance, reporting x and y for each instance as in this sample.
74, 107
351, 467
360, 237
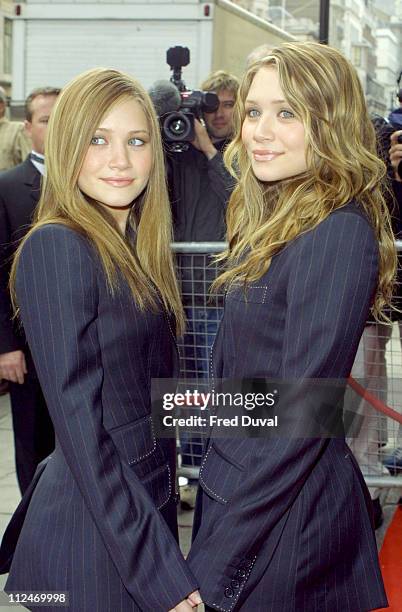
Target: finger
20, 376
24, 365
394, 136
195, 598
10, 375
191, 604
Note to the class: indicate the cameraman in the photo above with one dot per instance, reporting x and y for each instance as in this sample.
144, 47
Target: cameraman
395, 157
199, 184
395, 116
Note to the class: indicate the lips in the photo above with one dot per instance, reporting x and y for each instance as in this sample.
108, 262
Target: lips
118, 181
265, 155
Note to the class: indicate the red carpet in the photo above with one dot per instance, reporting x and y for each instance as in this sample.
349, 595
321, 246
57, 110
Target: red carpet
391, 563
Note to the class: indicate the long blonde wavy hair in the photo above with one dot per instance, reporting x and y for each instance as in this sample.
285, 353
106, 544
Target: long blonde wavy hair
78, 112
324, 91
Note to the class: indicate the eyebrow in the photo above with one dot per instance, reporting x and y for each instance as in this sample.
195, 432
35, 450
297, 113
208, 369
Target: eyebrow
272, 101
102, 129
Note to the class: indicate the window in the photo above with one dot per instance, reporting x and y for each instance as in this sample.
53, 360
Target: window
357, 56
7, 41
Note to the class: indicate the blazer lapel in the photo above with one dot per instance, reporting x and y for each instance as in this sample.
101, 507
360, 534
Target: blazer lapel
32, 179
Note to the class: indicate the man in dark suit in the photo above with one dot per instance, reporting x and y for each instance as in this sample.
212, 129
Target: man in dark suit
19, 195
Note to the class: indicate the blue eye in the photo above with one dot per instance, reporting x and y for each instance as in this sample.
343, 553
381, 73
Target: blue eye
253, 113
286, 114
98, 140
136, 142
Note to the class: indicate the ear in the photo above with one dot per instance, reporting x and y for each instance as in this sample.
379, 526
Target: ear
28, 127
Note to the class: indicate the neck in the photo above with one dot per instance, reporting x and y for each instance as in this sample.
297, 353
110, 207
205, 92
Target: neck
120, 215
40, 155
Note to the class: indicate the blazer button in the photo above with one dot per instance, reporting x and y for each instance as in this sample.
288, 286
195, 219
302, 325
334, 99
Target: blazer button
229, 592
241, 573
235, 584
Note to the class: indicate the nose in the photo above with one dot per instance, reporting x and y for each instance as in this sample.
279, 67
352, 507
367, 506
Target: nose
220, 111
119, 156
264, 129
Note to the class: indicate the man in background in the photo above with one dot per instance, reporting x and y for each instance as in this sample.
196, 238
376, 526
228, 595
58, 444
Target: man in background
19, 195
199, 184
395, 116
14, 143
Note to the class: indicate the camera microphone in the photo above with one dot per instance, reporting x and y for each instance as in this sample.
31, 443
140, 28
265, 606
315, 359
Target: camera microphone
165, 97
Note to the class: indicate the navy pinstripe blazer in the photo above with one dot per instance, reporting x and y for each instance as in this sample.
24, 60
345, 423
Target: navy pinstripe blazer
101, 523
283, 525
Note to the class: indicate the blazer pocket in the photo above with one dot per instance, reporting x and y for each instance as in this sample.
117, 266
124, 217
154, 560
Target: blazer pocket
220, 476
159, 485
137, 446
254, 294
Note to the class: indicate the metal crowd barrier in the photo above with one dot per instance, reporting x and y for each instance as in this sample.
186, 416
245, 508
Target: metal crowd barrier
376, 441
196, 270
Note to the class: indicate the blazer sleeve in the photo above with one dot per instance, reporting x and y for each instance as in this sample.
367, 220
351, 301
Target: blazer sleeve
333, 273
57, 294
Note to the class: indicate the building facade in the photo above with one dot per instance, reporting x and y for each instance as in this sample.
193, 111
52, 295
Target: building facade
368, 32
6, 30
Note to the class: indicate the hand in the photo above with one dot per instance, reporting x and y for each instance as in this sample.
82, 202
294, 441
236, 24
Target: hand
13, 366
395, 153
202, 141
192, 601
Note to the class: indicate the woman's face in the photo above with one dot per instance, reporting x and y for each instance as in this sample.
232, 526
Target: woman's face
118, 162
272, 135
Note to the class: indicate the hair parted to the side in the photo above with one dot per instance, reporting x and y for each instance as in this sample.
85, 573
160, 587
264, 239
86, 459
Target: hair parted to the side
78, 112
220, 80
324, 91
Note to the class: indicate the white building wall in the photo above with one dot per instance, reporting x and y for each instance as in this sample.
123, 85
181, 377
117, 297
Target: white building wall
387, 62
54, 42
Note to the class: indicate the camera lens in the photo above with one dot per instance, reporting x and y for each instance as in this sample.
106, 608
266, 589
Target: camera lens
177, 127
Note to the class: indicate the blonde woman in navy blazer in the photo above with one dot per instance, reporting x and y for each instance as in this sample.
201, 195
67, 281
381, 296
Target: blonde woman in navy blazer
95, 284
283, 523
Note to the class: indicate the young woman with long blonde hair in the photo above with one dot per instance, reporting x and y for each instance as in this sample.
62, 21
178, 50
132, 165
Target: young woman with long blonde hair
97, 295
282, 524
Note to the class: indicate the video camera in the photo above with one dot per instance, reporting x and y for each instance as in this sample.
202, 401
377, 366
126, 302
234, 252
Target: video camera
178, 107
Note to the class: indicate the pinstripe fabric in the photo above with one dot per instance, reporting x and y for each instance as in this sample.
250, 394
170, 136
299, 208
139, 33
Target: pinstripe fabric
282, 525
93, 525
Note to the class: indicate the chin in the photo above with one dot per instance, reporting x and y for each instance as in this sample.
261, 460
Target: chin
268, 177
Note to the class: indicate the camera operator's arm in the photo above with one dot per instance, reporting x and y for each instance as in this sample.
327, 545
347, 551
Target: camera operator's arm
395, 158
220, 180
395, 154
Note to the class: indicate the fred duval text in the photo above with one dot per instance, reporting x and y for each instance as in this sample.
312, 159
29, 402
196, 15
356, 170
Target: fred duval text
213, 420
